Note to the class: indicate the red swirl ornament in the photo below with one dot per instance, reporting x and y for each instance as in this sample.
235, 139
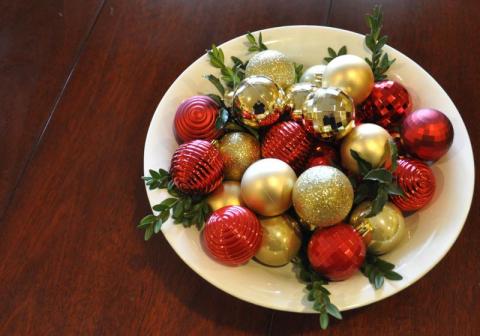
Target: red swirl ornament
417, 181
232, 235
322, 155
195, 119
337, 251
287, 141
427, 134
388, 104
196, 167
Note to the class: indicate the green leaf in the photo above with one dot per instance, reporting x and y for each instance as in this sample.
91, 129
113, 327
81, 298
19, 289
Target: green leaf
342, 51
217, 99
164, 215
394, 189
324, 321
216, 82
158, 226
363, 165
251, 38
390, 275
379, 201
148, 219
333, 310
378, 281
222, 119
169, 202
154, 174
160, 207
380, 174
148, 233
384, 265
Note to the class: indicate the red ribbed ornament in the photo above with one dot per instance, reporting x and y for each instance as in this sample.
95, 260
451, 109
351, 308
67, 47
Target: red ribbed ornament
287, 141
427, 134
388, 104
322, 155
232, 235
337, 251
417, 181
196, 167
195, 119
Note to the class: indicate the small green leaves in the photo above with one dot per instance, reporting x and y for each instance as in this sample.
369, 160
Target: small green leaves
376, 270
216, 56
298, 71
222, 119
253, 45
379, 174
332, 54
156, 179
380, 62
363, 165
231, 76
216, 82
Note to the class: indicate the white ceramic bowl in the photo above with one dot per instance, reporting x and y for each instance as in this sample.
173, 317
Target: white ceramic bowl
432, 231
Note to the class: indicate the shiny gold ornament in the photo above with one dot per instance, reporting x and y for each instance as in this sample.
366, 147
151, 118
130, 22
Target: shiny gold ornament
322, 196
329, 113
228, 98
387, 228
296, 96
228, 193
370, 141
274, 65
281, 240
258, 101
314, 75
351, 74
238, 150
266, 187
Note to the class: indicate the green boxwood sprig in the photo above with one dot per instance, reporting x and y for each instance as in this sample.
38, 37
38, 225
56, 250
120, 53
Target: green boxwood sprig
333, 54
253, 45
377, 270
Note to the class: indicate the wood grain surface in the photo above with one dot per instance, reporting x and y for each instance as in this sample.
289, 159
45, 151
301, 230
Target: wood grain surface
76, 98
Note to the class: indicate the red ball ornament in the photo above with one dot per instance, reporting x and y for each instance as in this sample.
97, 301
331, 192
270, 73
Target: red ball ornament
388, 104
417, 181
232, 235
287, 141
322, 155
195, 119
196, 167
337, 251
427, 134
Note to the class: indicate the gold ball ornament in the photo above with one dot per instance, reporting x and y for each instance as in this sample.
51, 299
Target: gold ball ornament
228, 98
266, 187
258, 101
238, 151
371, 142
314, 75
274, 65
228, 193
328, 113
351, 74
387, 228
322, 196
281, 240
296, 96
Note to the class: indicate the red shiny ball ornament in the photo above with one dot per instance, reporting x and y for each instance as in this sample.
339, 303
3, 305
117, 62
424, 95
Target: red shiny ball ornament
322, 155
232, 235
197, 167
417, 181
287, 141
336, 252
195, 119
388, 104
427, 134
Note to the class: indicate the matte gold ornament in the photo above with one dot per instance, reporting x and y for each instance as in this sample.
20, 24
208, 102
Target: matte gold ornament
238, 150
386, 229
370, 141
351, 74
281, 240
266, 187
228, 193
296, 96
322, 196
258, 101
314, 75
274, 65
329, 113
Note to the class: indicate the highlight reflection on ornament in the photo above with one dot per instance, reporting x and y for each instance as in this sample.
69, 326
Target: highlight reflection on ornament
314, 75
274, 65
296, 96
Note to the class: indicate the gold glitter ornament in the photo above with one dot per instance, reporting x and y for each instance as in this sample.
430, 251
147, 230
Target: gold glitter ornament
258, 101
228, 193
386, 229
314, 75
370, 141
274, 65
266, 187
322, 196
238, 151
281, 240
296, 96
328, 113
351, 74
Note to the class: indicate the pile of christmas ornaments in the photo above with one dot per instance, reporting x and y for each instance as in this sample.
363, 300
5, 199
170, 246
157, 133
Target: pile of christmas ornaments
298, 174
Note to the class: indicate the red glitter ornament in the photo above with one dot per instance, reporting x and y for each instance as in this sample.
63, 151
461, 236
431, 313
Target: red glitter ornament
427, 134
232, 235
195, 119
417, 182
388, 104
287, 141
337, 251
196, 167
322, 155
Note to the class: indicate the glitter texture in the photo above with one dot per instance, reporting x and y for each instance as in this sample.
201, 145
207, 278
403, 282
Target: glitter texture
238, 150
274, 65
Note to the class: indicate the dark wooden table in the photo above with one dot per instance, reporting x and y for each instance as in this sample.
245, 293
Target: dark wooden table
79, 82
